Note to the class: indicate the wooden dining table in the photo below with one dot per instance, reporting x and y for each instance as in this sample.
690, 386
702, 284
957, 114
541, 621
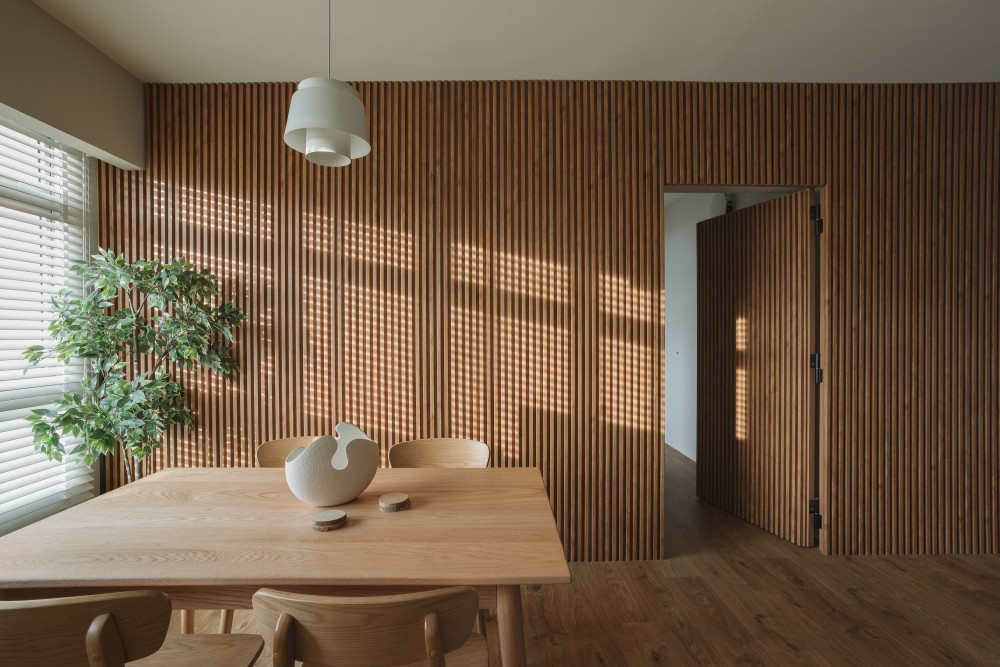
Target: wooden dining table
211, 537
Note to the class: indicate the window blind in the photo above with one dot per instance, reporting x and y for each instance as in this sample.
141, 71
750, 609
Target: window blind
44, 199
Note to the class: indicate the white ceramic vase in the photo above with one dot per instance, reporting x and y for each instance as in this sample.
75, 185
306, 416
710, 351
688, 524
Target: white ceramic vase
332, 470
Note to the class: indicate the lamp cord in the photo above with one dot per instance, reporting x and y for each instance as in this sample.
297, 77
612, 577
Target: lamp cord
329, 39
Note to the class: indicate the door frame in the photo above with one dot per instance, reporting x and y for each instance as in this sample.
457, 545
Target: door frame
822, 464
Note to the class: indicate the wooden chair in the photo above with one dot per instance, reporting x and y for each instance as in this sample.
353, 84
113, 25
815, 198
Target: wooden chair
440, 453
443, 453
417, 628
272, 454
109, 630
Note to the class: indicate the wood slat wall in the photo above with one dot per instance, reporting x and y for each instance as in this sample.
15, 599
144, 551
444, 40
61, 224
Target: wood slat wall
493, 269
914, 244
480, 274
756, 411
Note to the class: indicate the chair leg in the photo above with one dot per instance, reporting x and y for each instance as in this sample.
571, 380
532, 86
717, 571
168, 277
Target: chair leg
481, 619
226, 622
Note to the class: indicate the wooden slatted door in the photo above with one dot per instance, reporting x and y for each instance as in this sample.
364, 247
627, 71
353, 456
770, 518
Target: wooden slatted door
756, 392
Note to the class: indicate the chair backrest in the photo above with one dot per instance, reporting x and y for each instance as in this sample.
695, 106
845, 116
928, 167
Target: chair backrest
114, 628
272, 454
440, 453
370, 631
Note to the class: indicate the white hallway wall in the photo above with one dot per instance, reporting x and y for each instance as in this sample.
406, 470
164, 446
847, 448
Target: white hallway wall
682, 213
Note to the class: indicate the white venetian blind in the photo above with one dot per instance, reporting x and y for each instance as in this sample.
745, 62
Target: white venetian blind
43, 230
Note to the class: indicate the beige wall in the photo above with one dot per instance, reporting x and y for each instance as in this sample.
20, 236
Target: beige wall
54, 82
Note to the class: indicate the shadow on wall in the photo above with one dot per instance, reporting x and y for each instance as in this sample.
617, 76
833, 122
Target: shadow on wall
594, 481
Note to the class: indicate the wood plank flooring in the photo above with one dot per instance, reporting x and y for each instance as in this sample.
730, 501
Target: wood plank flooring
729, 593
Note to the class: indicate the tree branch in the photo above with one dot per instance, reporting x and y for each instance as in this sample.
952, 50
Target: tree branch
127, 460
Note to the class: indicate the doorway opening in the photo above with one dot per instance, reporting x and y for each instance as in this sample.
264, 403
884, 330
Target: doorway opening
743, 350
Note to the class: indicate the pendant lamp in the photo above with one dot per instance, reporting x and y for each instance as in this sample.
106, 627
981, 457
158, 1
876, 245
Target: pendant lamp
326, 119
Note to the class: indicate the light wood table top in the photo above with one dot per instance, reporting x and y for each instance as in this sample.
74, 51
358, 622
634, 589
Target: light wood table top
204, 527
210, 537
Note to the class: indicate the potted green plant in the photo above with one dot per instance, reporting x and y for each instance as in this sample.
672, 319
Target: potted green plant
135, 323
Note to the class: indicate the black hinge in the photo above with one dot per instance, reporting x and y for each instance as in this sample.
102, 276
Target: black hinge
814, 364
814, 510
814, 215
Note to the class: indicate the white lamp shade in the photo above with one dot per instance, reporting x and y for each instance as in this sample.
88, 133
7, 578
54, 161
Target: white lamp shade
326, 121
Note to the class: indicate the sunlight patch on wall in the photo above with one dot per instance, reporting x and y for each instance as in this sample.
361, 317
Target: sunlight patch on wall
467, 368
377, 245
742, 341
224, 267
527, 362
186, 451
532, 370
535, 360
618, 296
627, 369
318, 304
378, 357
532, 277
627, 384
741, 404
317, 232
210, 210
267, 364
197, 381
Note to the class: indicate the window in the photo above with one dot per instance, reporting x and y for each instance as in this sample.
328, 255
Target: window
44, 196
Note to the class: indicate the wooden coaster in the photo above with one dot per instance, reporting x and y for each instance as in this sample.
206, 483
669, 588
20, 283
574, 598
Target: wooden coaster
329, 520
394, 502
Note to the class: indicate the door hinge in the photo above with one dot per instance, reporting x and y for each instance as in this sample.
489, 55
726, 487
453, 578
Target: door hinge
814, 364
814, 510
814, 215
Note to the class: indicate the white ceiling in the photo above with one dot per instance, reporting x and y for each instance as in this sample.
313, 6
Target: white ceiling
683, 40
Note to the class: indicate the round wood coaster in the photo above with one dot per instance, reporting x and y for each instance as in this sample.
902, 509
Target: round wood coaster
394, 502
329, 520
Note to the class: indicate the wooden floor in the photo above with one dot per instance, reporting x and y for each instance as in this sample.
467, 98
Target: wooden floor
729, 593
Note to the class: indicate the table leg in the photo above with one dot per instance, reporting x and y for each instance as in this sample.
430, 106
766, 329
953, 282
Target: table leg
187, 621
511, 626
226, 622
